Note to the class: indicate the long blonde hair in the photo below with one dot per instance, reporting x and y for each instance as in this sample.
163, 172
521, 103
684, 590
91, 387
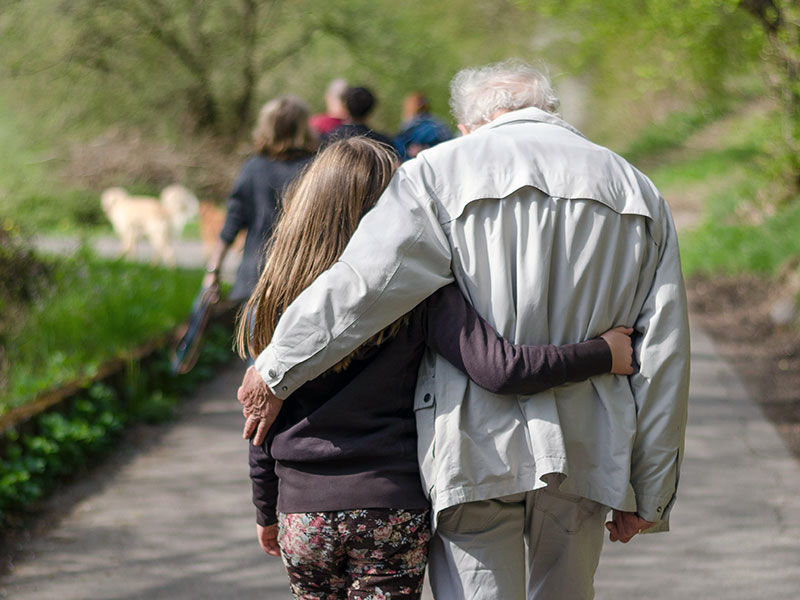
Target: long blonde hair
321, 210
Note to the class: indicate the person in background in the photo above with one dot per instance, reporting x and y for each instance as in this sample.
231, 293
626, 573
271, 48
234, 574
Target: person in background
283, 144
335, 112
420, 129
336, 484
359, 102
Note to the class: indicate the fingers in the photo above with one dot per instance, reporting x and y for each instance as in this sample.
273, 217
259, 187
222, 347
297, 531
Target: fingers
623, 329
613, 534
250, 426
258, 426
625, 525
628, 525
261, 432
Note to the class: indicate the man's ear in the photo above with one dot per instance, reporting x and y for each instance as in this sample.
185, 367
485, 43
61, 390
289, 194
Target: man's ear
463, 129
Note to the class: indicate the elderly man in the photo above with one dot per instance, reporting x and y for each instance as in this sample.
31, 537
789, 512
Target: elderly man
553, 239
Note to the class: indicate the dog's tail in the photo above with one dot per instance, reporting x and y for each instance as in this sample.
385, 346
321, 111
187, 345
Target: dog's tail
180, 204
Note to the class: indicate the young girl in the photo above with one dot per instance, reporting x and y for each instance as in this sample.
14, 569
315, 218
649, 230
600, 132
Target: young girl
336, 483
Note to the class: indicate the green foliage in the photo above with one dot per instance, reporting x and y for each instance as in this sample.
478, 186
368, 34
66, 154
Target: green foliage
165, 66
64, 443
673, 131
718, 247
727, 167
668, 54
66, 211
666, 44
17, 293
95, 310
30, 194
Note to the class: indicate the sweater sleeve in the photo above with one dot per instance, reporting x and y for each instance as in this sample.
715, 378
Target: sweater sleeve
456, 331
238, 206
265, 485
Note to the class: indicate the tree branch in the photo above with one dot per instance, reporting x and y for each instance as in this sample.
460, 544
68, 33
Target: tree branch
767, 12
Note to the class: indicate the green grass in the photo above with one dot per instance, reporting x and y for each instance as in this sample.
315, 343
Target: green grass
95, 311
734, 177
729, 249
673, 131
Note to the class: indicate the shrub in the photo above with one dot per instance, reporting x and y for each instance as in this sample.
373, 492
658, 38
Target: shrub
60, 444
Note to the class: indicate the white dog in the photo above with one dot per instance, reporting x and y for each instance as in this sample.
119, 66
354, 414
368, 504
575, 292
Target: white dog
180, 204
135, 216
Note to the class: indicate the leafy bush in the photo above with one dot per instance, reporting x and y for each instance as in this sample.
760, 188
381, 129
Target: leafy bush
60, 211
65, 442
16, 292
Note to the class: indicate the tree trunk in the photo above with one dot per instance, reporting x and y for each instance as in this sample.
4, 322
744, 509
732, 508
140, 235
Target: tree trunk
780, 20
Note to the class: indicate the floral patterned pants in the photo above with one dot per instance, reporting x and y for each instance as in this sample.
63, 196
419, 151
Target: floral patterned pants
371, 554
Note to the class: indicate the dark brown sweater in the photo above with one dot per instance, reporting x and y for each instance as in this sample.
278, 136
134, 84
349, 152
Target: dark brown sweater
347, 439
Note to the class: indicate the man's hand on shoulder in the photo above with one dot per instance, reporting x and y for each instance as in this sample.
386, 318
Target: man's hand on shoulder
260, 406
625, 525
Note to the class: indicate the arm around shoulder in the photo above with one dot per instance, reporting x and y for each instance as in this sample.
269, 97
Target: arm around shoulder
397, 257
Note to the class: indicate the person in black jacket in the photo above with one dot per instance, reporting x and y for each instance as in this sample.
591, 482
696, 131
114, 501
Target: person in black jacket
283, 145
336, 483
359, 102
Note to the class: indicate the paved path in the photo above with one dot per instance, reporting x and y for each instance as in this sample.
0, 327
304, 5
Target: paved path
188, 252
173, 520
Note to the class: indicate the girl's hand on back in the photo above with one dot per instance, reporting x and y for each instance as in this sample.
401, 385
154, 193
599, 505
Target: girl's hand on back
268, 539
619, 340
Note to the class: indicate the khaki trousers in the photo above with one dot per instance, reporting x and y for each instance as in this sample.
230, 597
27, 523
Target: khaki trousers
479, 549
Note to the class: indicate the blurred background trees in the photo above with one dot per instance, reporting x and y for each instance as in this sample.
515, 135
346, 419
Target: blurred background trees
202, 66
187, 77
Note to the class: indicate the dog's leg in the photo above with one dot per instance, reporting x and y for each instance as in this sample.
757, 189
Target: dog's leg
159, 234
169, 255
128, 244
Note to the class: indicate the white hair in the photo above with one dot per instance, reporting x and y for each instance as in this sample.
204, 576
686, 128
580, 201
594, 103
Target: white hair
477, 94
336, 88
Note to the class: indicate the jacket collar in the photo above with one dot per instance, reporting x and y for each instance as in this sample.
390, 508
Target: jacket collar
530, 114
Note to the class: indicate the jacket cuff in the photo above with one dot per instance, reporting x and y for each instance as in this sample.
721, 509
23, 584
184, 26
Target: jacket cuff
274, 374
659, 527
654, 508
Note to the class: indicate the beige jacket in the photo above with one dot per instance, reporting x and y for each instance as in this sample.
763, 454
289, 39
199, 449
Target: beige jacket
554, 240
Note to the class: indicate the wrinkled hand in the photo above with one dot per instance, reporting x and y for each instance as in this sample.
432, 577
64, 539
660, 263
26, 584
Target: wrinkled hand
625, 525
619, 341
268, 539
260, 406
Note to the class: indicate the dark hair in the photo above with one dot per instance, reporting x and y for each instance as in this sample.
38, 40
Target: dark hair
359, 102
